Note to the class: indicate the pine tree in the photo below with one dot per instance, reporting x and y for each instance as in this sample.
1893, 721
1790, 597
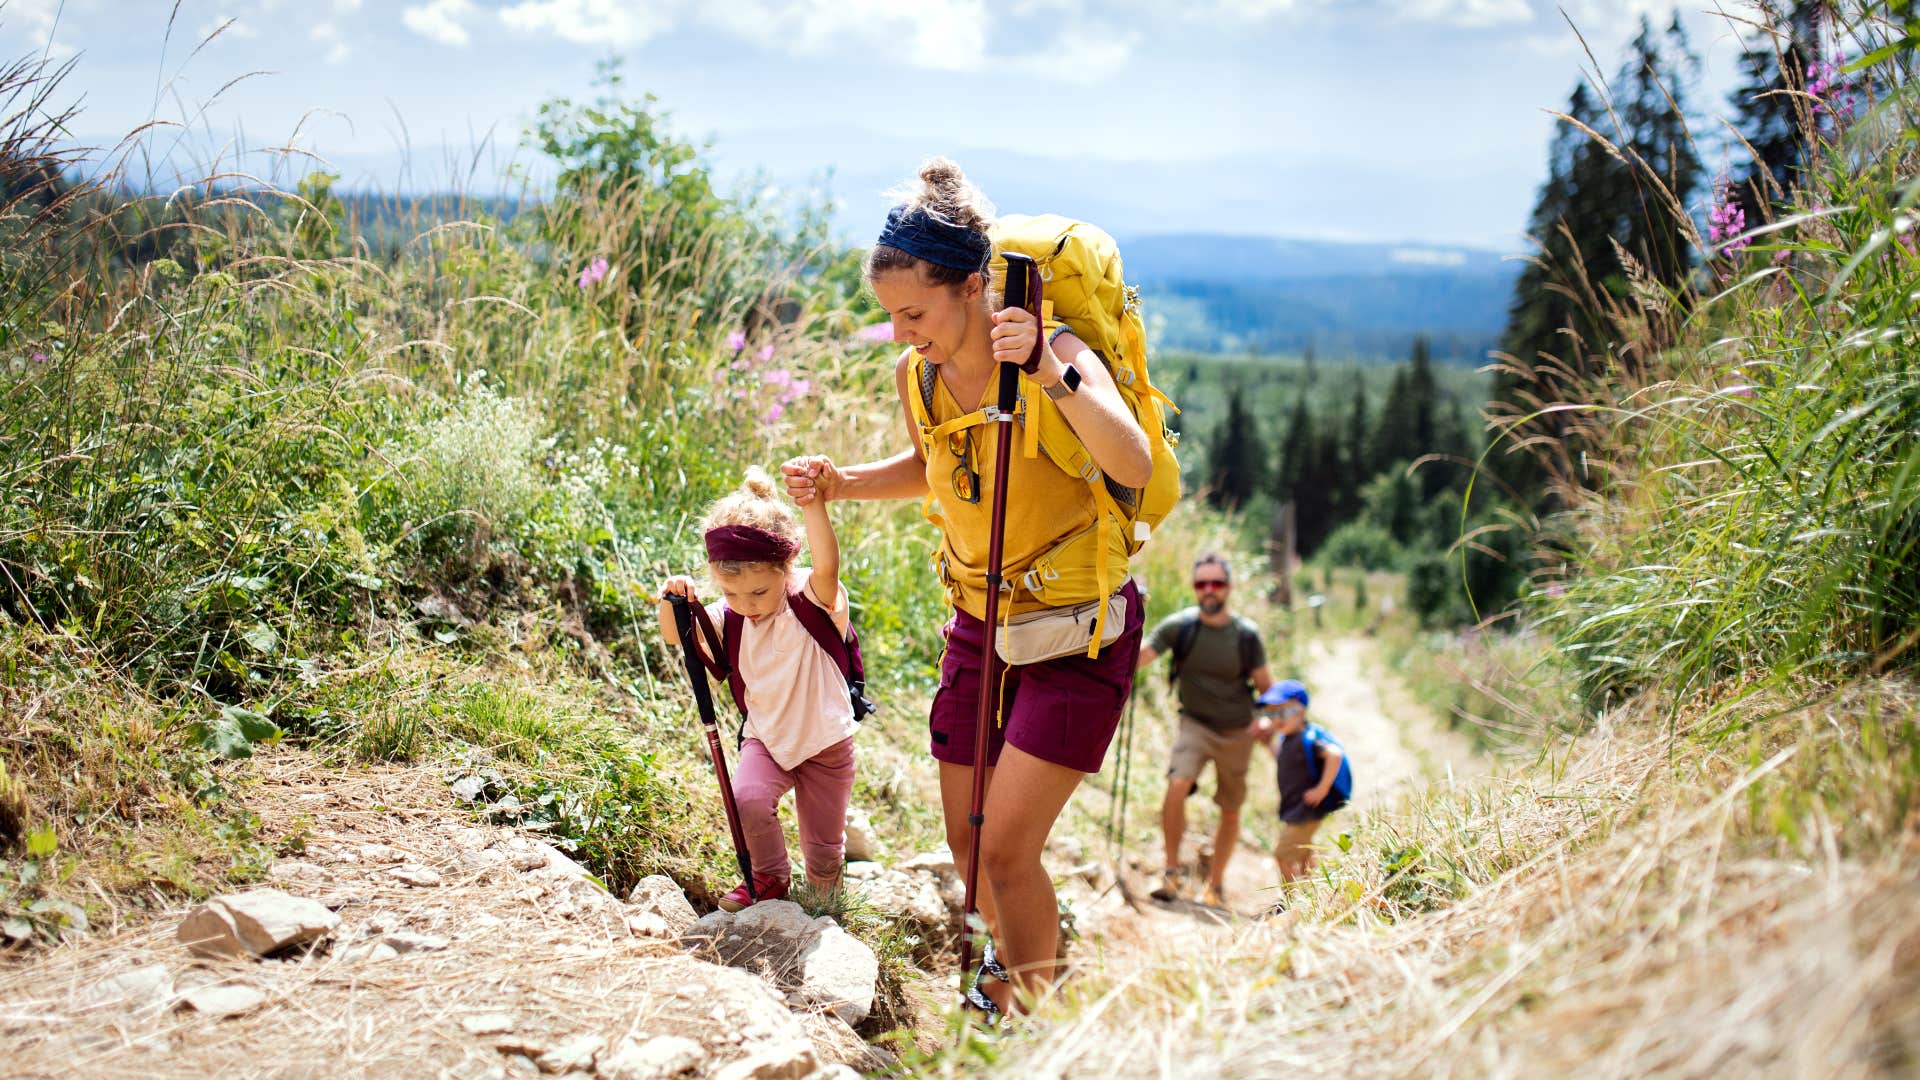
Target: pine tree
1357, 471
1291, 457
1390, 443
1235, 455
1595, 205
1768, 114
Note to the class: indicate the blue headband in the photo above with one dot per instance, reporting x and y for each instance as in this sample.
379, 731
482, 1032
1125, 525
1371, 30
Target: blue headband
925, 236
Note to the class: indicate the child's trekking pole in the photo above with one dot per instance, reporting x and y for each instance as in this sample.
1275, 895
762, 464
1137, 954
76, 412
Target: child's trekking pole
1022, 291
703, 697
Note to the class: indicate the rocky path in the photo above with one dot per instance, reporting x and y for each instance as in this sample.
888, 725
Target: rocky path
441, 948
1394, 743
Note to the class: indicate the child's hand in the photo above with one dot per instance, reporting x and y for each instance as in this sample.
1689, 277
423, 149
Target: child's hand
680, 585
1261, 728
810, 478
1315, 795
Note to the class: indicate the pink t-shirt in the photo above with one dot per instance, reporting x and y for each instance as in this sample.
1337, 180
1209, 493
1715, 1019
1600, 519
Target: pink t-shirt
797, 703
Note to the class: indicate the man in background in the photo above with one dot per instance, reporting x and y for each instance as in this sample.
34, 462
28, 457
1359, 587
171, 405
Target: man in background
1218, 664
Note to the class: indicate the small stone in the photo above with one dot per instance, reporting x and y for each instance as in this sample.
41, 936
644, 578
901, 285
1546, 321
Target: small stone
526, 1046
231, 999
836, 1071
859, 835
470, 788
258, 922
371, 952
291, 870
937, 861
655, 1059
649, 924
487, 1024
381, 853
575, 1054
420, 877
406, 942
472, 839
140, 988
861, 871
1066, 848
791, 1060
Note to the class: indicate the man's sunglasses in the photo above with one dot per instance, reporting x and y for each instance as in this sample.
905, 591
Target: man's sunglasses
1202, 586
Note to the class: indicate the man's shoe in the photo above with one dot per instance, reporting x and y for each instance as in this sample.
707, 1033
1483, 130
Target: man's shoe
1169, 889
1211, 896
765, 888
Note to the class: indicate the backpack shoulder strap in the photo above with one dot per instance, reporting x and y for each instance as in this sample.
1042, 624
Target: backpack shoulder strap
819, 626
1249, 647
1183, 645
732, 626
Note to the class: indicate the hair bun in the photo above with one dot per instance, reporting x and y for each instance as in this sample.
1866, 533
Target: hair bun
946, 192
758, 484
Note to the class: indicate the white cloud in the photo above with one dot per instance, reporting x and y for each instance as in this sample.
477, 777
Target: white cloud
949, 35
618, 24
444, 21
229, 27
34, 21
1427, 257
1466, 12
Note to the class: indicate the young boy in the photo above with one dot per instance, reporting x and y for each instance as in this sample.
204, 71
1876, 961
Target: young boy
1312, 766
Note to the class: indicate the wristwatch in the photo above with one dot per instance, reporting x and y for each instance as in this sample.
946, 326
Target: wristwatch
1069, 382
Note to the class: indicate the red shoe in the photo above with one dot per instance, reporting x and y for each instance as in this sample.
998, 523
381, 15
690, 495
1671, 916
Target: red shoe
766, 888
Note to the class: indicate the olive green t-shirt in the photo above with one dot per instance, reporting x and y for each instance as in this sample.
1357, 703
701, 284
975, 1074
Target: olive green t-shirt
1211, 688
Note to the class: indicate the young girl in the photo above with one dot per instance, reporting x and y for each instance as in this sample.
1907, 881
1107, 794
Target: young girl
799, 725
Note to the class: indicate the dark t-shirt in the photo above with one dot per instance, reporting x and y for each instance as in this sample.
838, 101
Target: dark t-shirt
1212, 690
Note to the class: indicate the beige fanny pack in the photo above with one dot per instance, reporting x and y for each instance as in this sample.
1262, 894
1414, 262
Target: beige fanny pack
1051, 633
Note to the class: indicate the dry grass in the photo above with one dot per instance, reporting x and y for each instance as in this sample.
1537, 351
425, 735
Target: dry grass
1642, 902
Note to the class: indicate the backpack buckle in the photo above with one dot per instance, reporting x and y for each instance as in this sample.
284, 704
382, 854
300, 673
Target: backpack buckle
1090, 473
995, 416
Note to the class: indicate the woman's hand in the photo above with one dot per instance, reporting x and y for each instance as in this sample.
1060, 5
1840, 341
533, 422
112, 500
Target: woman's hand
1014, 332
680, 585
810, 478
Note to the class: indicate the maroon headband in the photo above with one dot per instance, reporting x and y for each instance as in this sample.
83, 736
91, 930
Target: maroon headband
744, 543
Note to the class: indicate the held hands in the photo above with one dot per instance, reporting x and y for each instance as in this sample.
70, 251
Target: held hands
679, 585
1014, 332
810, 478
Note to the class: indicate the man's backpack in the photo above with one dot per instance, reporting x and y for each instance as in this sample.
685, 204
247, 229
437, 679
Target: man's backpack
1190, 632
1083, 289
724, 654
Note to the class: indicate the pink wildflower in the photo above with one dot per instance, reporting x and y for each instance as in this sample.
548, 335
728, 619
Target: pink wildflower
594, 274
737, 340
765, 353
876, 332
39, 358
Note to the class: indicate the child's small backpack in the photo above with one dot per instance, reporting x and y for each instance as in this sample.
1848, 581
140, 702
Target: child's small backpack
1342, 789
845, 651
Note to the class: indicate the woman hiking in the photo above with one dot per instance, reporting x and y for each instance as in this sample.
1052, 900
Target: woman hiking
930, 271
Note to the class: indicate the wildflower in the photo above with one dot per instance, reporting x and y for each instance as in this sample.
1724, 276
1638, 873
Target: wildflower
1726, 222
877, 332
39, 358
736, 341
594, 274
766, 353
774, 414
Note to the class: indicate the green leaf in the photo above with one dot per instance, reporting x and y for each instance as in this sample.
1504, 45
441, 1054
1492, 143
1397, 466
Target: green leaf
262, 638
233, 733
17, 929
446, 637
366, 581
42, 842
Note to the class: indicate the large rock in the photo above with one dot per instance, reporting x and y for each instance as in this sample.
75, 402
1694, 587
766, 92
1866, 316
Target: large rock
812, 958
657, 1058
660, 895
259, 922
859, 835
839, 972
907, 897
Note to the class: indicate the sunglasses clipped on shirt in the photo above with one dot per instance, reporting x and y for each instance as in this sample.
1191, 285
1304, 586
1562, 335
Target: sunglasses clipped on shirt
1203, 586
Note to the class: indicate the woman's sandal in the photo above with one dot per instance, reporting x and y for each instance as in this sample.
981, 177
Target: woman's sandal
977, 999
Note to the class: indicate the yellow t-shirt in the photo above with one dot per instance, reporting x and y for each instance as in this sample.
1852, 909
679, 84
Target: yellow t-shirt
1044, 506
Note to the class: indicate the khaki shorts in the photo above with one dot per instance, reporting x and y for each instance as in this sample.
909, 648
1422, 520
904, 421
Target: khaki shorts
1230, 752
1295, 845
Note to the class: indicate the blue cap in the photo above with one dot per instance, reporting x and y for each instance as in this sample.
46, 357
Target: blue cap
1284, 691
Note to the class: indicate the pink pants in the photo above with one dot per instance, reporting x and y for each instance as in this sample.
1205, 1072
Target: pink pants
821, 784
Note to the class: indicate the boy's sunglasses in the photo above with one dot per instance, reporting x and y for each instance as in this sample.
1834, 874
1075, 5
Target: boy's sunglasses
1202, 586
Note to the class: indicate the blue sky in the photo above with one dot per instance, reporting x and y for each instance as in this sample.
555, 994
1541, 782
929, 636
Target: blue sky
1392, 120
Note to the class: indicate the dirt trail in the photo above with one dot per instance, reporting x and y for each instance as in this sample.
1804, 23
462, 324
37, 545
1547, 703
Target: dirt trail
1395, 743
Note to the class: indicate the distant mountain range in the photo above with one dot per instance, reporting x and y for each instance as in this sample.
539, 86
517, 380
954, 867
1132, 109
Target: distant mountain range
1209, 292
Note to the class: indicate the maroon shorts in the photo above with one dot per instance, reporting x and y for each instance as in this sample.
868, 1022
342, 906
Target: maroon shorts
1062, 711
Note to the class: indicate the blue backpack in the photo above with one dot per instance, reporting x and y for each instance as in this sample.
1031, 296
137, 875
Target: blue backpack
1342, 789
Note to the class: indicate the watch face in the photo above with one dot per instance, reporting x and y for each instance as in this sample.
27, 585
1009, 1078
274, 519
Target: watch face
1071, 377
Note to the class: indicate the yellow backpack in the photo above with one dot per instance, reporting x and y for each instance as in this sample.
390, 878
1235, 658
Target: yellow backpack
1079, 266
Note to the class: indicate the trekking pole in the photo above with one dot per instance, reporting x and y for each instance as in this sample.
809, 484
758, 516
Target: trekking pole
1022, 291
703, 697
1126, 782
